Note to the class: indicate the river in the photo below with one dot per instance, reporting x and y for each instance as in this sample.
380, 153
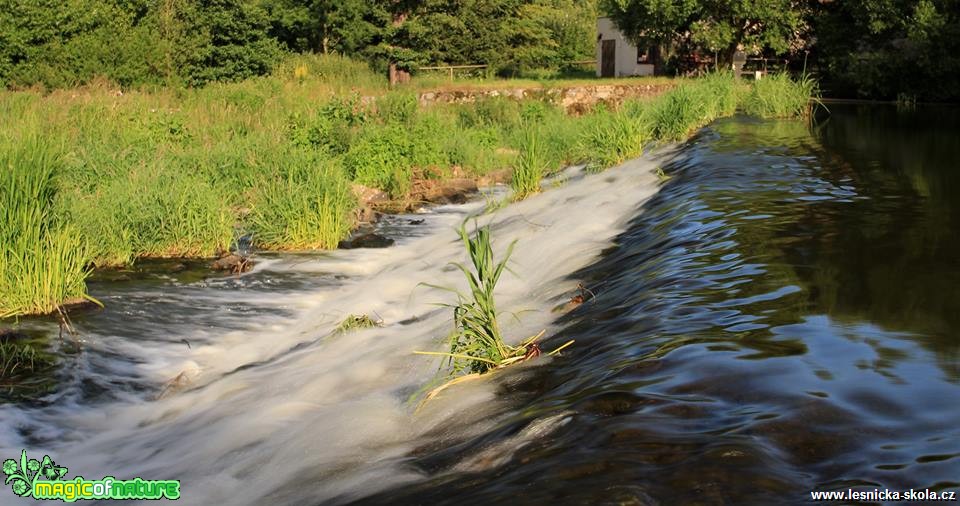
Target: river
780, 316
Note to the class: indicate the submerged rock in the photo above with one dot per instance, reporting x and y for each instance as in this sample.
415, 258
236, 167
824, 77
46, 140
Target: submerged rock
7, 335
233, 263
368, 240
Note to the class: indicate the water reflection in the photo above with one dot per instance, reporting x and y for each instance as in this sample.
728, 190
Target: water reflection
782, 317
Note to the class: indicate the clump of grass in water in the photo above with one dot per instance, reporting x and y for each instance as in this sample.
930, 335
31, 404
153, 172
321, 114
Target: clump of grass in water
354, 322
476, 344
530, 167
16, 358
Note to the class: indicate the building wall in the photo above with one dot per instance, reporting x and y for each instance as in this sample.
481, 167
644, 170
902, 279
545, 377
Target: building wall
626, 58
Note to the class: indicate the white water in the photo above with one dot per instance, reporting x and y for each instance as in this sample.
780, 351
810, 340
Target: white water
329, 420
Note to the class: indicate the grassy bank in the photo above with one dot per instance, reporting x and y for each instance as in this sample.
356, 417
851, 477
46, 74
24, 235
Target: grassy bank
92, 177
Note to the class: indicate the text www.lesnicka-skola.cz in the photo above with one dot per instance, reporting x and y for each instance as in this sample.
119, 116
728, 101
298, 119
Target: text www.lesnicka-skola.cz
882, 495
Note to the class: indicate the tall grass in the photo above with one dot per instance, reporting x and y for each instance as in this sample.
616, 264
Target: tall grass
692, 105
42, 261
530, 166
609, 138
476, 344
307, 207
182, 172
780, 96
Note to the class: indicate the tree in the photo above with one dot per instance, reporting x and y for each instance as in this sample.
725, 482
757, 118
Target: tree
720, 26
886, 48
342, 26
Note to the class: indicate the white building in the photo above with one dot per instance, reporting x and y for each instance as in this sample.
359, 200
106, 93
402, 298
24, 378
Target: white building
617, 56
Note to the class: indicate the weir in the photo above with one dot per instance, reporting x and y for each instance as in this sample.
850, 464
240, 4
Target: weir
271, 405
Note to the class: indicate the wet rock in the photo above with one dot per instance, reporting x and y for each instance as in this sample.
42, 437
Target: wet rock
450, 191
74, 305
365, 214
615, 403
232, 263
7, 335
368, 240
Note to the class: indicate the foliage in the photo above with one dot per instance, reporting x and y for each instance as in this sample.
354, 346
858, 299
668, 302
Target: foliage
354, 322
778, 96
882, 49
42, 261
307, 205
61, 44
530, 166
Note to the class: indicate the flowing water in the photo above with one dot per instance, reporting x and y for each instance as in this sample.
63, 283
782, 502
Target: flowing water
780, 317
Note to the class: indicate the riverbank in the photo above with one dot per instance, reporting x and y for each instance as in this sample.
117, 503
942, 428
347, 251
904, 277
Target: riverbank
99, 179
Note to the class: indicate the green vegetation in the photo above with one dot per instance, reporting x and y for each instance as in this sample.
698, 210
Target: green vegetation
476, 344
530, 166
868, 49
42, 261
778, 96
354, 322
185, 43
93, 178
308, 207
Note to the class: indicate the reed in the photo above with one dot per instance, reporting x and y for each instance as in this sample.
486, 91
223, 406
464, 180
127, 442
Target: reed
43, 263
530, 165
609, 138
304, 207
780, 96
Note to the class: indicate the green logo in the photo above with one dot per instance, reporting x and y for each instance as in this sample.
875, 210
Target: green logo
44, 479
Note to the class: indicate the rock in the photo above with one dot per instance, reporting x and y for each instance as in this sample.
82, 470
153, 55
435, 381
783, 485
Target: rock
365, 214
368, 240
233, 263
450, 191
79, 304
7, 335
367, 196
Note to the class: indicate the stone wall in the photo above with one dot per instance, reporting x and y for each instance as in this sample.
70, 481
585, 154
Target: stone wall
573, 99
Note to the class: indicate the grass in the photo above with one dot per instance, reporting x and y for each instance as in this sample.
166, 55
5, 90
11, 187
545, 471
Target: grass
354, 322
92, 177
306, 207
476, 344
530, 166
42, 261
780, 96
